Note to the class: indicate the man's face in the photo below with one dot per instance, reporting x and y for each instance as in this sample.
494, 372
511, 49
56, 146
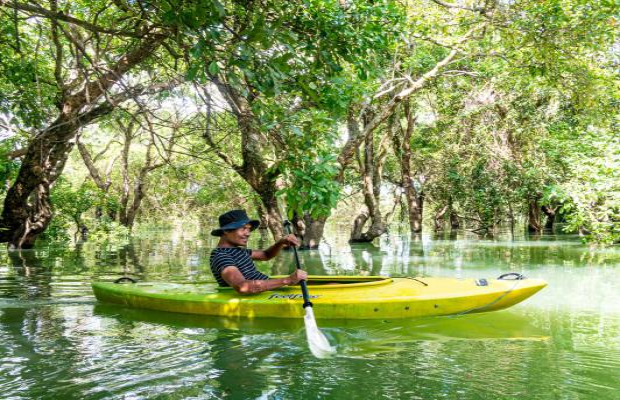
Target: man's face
238, 237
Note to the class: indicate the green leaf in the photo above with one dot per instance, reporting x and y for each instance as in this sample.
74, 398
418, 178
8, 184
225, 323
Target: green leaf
214, 69
190, 75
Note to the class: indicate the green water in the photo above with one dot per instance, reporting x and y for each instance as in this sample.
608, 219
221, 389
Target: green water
57, 342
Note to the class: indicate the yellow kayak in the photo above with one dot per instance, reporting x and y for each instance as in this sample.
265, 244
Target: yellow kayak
333, 297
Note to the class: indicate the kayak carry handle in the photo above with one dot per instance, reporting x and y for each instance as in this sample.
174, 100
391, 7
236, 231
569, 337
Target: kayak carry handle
125, 279
512, 276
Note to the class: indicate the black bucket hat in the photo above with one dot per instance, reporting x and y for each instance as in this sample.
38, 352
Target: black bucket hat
233, 220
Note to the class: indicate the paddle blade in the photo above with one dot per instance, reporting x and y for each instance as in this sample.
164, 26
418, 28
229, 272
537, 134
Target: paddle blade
319, 346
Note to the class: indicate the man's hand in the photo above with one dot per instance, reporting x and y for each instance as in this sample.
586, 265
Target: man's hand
295, 277
289, 240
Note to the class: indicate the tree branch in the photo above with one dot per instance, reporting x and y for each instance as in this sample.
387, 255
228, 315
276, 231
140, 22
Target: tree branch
90, 165
17, 153
59, 52
110, 103
207, 130
356, 136
452, 5
60, 16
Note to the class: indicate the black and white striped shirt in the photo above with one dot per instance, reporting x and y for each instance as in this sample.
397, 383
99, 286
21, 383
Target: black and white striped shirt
222, 257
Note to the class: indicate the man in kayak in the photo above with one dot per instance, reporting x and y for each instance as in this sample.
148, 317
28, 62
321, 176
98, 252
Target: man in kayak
232, 263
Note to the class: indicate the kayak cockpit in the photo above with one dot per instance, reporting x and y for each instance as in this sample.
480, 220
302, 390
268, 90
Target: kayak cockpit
326, 282
334, 282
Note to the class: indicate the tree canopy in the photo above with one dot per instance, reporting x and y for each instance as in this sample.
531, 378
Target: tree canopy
477, 114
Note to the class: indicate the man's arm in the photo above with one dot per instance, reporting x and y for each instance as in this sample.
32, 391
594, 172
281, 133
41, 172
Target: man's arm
268, 254
234, 278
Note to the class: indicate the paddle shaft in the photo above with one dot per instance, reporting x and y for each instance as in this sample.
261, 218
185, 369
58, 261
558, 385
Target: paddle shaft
302, 283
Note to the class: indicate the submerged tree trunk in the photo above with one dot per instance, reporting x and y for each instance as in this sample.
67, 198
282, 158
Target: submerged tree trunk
358, 227
371, 168
455, 223
272, 215
128, 217
262, 228
27, 209
415, 197
416, 208
313, 232
550, 212
126, 185
534, 224
439, 218
256, 173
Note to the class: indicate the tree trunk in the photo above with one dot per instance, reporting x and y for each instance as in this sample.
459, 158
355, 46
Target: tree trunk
534, 221
455, 223
262, 228
27, 209
126, 186
129, 212
102, 180
255, 168
95, 174
313, 232
415, 199
298, 225
440, 217
138, 195
357, 234
550, 213
255, 171
416, 207
371, 170
273, 217
511, 215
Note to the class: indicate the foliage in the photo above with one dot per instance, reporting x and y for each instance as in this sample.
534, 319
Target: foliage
189, 191
23, 95
303, 153
527, 112
8, 166
309, 165
70, 206
58, 229
590, 200
109, 232
72, 203
293, 47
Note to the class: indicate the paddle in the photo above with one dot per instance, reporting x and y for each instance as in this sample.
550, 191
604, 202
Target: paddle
318, 343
